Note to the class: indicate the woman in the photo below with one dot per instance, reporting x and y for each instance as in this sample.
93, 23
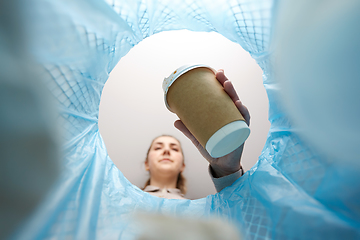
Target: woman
165, 162
165, 159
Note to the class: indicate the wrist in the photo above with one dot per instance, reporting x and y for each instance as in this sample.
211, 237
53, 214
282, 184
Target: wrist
220, 171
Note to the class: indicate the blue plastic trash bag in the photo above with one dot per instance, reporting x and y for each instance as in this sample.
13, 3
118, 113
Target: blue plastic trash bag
293, 191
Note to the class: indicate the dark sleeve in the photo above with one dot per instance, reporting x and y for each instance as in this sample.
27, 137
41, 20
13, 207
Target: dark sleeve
223, 182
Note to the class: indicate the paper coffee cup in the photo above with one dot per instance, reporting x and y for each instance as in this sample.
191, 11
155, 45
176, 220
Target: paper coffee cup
201, 103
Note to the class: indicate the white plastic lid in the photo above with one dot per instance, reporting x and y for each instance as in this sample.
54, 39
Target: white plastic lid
176, 74
227, 139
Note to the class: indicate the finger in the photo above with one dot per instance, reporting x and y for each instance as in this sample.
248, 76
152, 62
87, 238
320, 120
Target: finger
180, 125
230, 90
220, 76
244, 111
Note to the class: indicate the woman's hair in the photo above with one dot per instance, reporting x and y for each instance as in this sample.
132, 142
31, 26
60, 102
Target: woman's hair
181, 181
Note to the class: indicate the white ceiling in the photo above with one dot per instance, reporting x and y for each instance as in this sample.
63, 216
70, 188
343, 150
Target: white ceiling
132, 109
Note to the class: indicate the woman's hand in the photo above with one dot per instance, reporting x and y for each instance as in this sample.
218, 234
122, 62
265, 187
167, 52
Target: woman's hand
229, 163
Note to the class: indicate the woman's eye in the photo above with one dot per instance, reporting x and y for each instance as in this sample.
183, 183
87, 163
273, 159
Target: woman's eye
157, 148
175, 149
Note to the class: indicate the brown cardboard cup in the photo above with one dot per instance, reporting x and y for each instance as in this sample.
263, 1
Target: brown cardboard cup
199, 100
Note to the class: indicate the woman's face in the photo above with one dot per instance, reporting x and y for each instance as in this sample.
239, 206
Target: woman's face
165, 156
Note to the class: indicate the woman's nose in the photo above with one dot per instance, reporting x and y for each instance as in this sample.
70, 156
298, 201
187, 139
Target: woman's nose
166, 151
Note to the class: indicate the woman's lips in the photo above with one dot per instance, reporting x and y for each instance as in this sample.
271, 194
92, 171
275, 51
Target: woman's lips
165, 160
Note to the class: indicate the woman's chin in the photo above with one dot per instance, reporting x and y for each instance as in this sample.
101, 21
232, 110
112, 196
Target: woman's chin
168, 168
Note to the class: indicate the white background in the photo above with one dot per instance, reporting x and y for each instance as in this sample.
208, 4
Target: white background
133, 113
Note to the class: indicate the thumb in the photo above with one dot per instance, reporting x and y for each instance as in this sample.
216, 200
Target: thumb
180, 125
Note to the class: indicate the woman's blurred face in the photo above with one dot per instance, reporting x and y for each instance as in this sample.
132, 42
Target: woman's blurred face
165, 156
